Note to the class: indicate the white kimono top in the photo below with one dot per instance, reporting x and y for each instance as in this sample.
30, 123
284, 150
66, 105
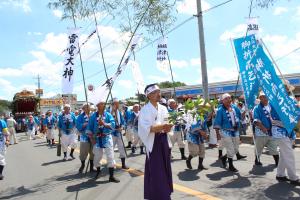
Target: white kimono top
148, 117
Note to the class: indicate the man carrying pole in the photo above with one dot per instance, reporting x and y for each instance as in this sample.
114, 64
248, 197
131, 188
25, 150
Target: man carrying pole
100, 126
117, 132
263, 123
85, 143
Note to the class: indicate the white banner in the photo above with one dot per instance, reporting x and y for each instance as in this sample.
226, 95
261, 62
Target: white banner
138, 77
162, 55
252, 27
69, 63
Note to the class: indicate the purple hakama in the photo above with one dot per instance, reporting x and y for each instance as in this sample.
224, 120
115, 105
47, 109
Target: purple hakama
158, 184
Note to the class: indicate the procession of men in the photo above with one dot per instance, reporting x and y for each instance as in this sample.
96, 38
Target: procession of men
149, 127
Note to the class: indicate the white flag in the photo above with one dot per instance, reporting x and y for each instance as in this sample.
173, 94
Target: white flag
69, 62
162, 55
252, 27
99, 94
138, 77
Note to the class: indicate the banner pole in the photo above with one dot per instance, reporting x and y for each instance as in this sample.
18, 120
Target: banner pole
247, 110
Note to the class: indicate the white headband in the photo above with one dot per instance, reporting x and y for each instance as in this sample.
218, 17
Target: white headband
225, 96
151, 89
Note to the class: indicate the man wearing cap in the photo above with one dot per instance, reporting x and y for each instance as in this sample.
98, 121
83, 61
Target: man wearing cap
263, 124
153, 128
49, 123
100, 126
117, 132
134, 129
66, 124
4, 142
226, 125
86, 146
177, 136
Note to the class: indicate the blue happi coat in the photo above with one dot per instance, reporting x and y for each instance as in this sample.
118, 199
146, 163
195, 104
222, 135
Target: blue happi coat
224, 123
262, 115
119, 122
193, 135
49, 122
101, 133
66, 123
36, 120
30, 125
3, 127
81, 119
278, 130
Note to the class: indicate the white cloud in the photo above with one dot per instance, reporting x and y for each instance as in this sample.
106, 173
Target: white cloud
57, 13
126, 84
10, 72
113, 43
155, 78
217, 74
281, 45
24, 4
280, 10
49, 71
298, 11
179, 64
34, 33
237, 31
54, 43
195, 62
189, 7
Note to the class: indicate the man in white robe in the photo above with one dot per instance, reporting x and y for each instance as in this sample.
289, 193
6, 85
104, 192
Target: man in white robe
153, 128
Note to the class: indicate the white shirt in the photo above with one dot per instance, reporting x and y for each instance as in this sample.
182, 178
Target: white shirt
148, 117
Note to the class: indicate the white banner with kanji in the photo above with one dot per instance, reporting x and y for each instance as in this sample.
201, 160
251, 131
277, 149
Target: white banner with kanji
69, 62
162, 54
252, 27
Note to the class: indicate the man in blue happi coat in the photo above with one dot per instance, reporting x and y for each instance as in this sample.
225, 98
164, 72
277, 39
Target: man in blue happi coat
196, 135
66, 124
100, 126
263, 124
285, 142
226, 124
86, 147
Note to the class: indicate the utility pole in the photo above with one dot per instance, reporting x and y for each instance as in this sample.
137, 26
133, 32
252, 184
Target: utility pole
39, 90
202, 51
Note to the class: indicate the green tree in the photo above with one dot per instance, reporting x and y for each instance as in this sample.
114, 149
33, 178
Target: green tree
5, 106
168, 84
159, 16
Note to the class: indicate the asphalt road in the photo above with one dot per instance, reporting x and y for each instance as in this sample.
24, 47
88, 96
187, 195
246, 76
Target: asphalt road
34, 171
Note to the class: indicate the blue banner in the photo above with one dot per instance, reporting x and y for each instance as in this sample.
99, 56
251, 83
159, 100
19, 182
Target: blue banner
275, 90
244, 48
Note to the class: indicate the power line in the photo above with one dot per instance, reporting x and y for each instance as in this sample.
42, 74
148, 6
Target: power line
291, 52
151, 42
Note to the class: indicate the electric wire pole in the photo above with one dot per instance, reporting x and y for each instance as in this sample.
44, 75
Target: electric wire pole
202, 51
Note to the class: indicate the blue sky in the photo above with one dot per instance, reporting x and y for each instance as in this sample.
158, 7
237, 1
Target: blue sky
33, 36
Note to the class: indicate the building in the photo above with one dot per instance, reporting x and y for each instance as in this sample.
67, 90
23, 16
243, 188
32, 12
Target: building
55, 104
216, 89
